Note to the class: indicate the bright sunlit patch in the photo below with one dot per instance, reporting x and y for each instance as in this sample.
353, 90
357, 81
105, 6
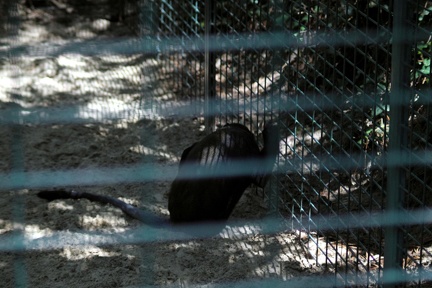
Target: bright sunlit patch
117, 224
233, 232
34, 232
29, 33
78, 253
149, 151
31, 232
72, 61
5, 226
101, 24
6, 85
60, 205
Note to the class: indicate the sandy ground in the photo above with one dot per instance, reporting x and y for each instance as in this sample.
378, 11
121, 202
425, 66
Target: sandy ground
94, 87
184, 262
84, 113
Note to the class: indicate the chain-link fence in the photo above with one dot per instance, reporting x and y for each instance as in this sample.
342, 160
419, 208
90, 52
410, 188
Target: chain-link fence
105, 95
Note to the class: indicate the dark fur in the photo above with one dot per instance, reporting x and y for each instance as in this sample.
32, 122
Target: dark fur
192, 198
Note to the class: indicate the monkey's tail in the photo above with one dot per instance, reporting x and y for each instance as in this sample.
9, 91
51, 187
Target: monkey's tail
144, 216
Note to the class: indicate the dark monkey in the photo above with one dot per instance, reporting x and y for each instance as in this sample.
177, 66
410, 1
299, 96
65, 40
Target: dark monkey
194, 197
214, 198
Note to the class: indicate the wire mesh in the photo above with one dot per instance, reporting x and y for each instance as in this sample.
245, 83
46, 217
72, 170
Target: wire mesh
107, 98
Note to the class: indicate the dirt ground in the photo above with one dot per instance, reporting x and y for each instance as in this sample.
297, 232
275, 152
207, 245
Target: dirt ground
93, 87
83, 113
183, 262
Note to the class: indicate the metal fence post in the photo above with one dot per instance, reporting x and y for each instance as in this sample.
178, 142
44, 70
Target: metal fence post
209, 82
399, 104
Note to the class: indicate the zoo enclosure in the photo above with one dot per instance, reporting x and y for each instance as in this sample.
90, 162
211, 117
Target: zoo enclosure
349, 83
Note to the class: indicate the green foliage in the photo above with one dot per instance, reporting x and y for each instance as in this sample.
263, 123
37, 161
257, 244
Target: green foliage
422, 72
423, 69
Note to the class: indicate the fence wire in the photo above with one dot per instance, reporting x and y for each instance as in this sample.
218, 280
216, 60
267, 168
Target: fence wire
105, 95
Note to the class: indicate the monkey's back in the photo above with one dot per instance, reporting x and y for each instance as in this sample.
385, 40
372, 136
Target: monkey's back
201, 191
